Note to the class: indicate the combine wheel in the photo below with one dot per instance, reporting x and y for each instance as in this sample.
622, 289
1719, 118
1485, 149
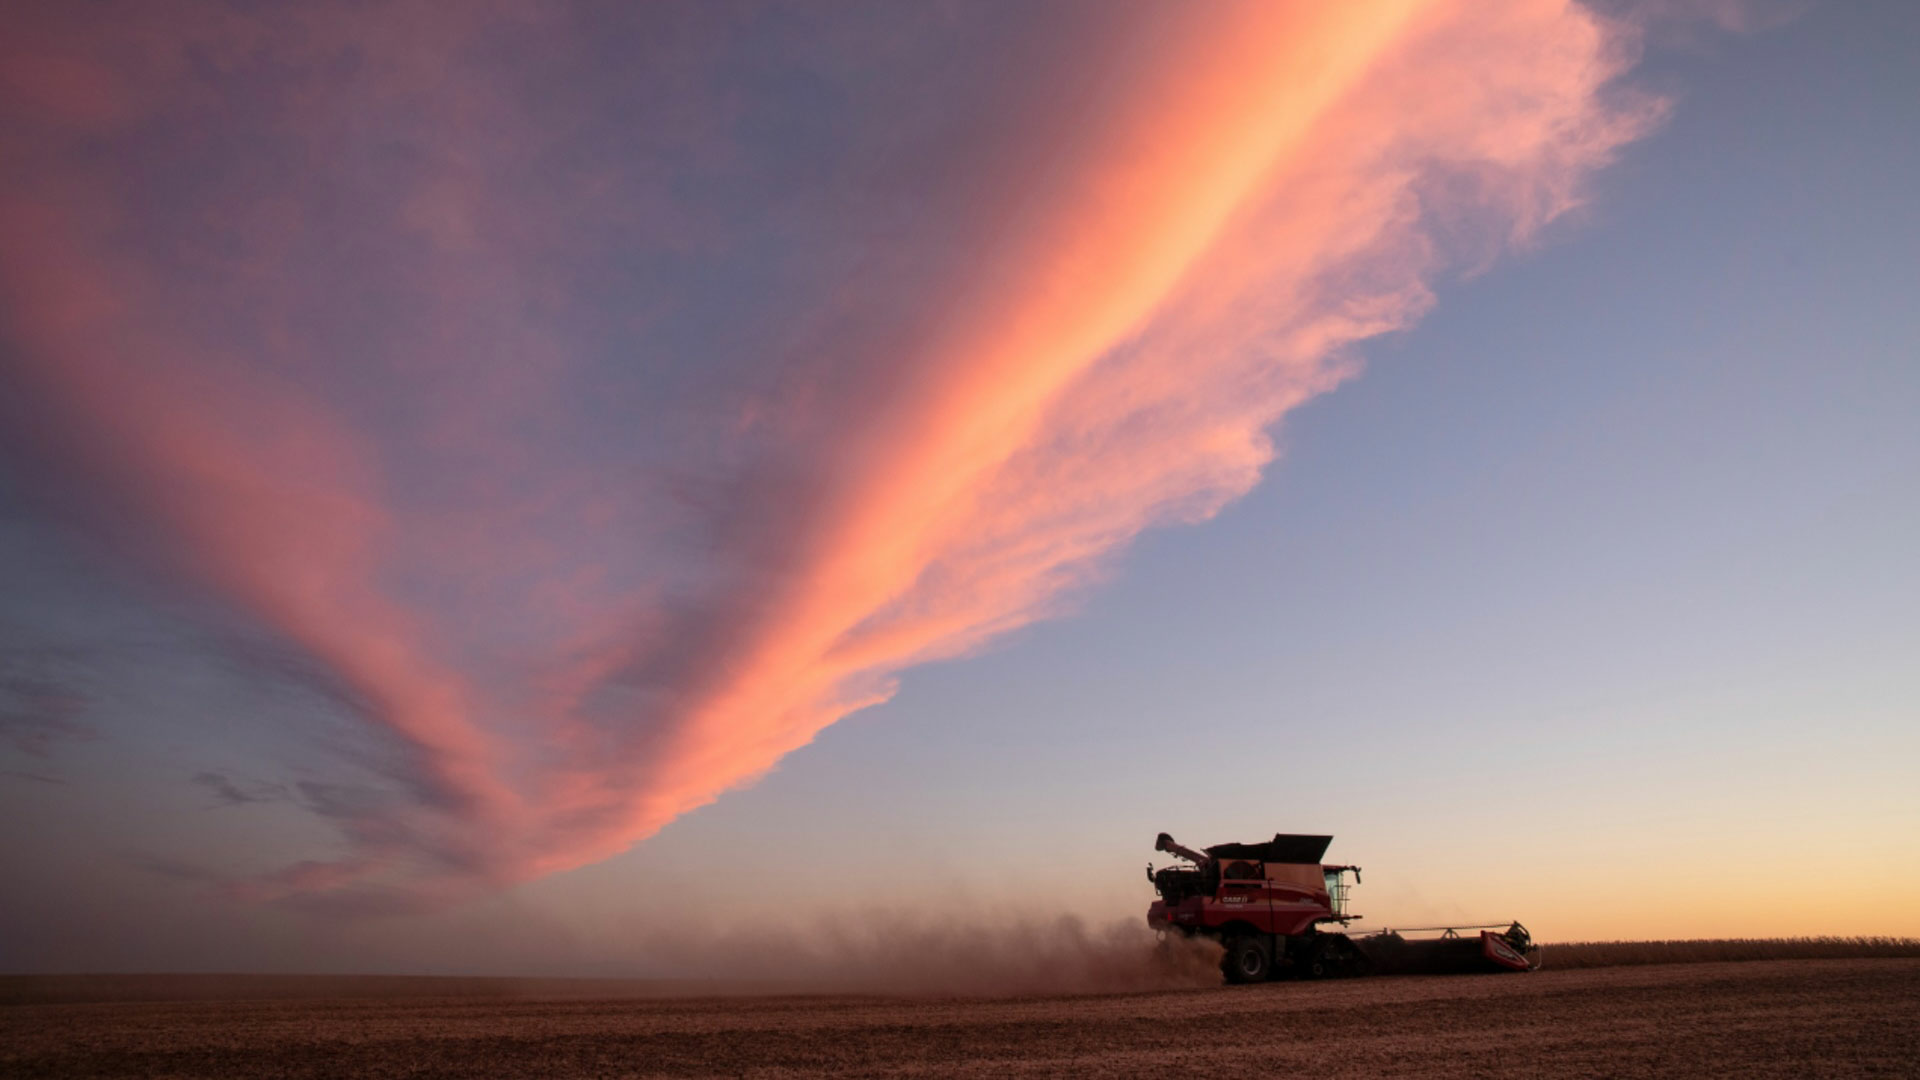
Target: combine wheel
1247, 960
1331, 957
1357, 962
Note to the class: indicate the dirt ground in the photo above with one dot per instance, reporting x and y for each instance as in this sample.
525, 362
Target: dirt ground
1799, 1018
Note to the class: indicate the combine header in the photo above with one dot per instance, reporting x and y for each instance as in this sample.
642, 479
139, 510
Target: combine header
1267, 905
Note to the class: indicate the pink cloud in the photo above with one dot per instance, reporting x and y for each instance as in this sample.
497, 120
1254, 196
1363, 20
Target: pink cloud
359, 398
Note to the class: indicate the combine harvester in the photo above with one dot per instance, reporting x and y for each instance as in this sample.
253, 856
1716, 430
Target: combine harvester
1267, 904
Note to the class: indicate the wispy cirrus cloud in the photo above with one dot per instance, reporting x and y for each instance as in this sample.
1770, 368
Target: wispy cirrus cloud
239, 791
605, 404
38, 709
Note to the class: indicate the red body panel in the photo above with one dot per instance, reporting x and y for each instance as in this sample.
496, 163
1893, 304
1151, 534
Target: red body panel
1269, 906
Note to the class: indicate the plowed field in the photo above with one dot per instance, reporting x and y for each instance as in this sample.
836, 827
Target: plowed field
1777, 1018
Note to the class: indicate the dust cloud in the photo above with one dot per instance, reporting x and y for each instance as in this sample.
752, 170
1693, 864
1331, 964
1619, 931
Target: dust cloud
907, 955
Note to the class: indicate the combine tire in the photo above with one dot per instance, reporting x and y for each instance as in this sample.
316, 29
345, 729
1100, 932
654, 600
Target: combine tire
1333, 957
1358, 963
1247, 960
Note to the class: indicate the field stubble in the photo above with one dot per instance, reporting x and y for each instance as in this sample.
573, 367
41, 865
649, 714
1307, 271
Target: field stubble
1762, 1018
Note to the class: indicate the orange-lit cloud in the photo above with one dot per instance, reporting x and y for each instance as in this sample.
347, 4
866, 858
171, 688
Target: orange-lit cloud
1121, 268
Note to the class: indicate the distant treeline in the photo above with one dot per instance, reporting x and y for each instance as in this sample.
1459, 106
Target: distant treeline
1592, 954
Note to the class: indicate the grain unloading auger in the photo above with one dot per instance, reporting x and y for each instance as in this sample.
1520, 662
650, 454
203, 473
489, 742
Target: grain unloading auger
1267, 905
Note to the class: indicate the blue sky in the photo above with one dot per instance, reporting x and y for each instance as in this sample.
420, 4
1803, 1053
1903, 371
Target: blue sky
1610, 553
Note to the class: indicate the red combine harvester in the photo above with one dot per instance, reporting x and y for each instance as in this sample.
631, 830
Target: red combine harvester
1267, 904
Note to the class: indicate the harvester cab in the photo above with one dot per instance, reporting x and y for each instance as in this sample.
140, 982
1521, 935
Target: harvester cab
1337, 888
1267, 904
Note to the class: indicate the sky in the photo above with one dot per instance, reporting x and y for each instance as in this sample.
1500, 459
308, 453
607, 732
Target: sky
521, 489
